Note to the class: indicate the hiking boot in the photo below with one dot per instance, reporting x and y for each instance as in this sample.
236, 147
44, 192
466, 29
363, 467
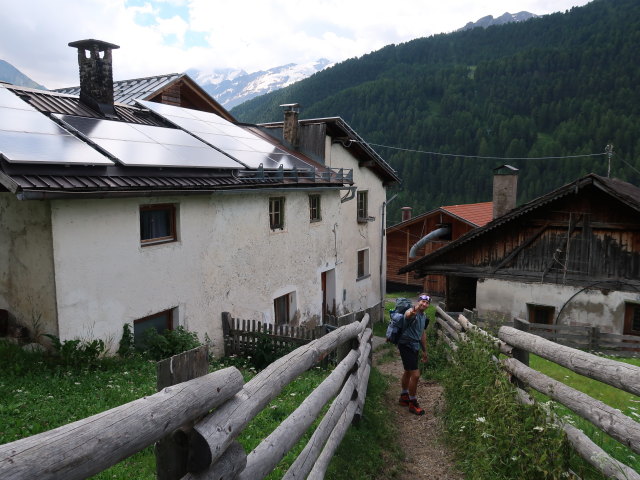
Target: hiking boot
404, 400
415, 408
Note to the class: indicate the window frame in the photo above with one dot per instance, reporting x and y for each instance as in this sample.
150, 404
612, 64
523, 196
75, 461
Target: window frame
362, 264
363, 206
631, 310
276, 218
282, 304
536, 311
173, 230
169, 324
315, 211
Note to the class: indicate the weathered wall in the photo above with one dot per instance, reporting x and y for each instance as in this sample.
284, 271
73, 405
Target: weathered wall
27, 289
226, 259
354, 236
585, 307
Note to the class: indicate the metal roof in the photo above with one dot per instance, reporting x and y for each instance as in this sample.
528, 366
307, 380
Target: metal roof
127, 91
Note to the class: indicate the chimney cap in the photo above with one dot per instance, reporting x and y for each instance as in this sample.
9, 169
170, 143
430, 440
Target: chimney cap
505, 170
89, 42
290, 107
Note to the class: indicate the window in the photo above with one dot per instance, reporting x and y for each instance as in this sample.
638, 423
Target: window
631, 319
314, 208
283, 306
157, 224
276, 213
363, 208
541, 313
160, 322
363, 263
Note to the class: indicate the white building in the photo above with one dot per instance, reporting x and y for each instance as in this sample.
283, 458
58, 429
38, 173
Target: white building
158, 215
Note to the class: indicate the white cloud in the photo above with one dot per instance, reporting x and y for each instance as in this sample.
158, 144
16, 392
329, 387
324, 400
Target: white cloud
247, 34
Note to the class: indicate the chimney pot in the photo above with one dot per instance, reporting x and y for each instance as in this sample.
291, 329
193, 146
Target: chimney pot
96, 74
406, 213
505, 189
290, 126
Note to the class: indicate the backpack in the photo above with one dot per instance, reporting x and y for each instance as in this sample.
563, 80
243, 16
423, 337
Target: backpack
396, 320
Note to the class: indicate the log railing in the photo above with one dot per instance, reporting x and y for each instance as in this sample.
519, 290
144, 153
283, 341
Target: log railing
89, 446
517, 344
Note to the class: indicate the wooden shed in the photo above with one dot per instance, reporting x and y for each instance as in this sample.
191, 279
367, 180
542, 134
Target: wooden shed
436, 229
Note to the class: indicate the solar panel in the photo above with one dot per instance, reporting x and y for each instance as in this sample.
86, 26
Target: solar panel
150, 146
28, 136
238, 142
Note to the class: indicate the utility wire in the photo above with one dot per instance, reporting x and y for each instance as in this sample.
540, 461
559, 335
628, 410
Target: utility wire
482, 157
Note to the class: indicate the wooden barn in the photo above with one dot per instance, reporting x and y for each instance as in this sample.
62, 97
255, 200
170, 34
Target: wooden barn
444, 224
570, 257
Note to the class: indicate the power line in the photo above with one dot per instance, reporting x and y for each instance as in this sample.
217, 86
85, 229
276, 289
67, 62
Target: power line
480, 157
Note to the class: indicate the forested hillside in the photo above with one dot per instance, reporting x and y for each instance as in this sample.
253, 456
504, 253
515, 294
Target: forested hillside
562, 85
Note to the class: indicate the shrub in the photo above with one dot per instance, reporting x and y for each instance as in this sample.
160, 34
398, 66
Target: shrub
268, 350
77, 353
126, 347
170, 342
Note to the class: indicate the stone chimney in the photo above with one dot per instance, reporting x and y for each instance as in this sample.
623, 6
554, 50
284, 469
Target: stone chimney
96, 74
406, 213
290, 127
505, 189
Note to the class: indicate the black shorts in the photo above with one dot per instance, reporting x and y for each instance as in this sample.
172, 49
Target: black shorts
409, 357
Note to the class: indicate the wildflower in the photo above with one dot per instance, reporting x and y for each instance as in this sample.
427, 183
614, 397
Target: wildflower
76, 383
485, 435
293, 394
109, 386
514, 458
49, 396
481, 419
538, 428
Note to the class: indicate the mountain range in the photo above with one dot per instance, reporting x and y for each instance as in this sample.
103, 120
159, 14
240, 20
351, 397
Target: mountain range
10, 74
506, 17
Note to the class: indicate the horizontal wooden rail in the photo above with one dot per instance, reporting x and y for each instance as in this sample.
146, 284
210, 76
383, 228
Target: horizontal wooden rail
91, 445
212, 436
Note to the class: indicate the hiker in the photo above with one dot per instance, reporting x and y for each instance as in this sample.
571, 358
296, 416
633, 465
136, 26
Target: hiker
414, 339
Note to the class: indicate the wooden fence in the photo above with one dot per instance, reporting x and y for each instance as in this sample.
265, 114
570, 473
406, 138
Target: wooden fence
575, 336
219, 405
517, 344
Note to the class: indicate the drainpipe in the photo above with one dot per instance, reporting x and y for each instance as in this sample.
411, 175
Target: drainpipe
384, 231
439, 232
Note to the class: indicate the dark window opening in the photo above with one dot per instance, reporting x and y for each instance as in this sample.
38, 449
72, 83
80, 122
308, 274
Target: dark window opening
281, 308
631, 319
314, 208
541, 314
157, 224
160, 322
276, 213
363, 207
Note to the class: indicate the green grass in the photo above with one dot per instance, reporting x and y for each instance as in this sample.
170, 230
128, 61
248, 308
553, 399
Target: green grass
627, 403
39, 394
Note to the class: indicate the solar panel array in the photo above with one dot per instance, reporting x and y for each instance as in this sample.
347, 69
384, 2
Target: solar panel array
149, 146
241, 144
28, 136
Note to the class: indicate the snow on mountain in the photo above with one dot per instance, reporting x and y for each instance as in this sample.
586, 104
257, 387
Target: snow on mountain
231, 87
506, 17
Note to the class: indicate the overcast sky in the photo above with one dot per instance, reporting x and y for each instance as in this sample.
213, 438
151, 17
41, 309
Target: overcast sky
166, 36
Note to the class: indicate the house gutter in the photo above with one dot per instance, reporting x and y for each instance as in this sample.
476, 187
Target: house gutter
57, 195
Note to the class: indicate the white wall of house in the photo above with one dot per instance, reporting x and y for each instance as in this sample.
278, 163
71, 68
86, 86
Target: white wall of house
585, 307
27, 289
361, 236
226, 259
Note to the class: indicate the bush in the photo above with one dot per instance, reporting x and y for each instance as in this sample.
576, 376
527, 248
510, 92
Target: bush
77, 353
126, 348
171, 342
268, 350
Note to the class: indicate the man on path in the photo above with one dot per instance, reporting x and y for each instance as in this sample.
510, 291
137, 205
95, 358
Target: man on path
414, 339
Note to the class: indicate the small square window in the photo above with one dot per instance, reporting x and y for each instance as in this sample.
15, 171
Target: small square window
631, 319
283, 306
363, 207
276, 213
363, 263
541, 314
314, 208
157, 224
159, 321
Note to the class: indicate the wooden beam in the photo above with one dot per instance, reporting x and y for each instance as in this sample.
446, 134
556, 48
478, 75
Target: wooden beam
522, 246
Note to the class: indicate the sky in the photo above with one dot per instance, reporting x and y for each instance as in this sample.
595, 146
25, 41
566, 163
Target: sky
166, 36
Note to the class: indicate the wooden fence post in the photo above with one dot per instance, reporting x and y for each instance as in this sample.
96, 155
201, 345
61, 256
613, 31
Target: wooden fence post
520, 354
594, 339
226, 327
172, 451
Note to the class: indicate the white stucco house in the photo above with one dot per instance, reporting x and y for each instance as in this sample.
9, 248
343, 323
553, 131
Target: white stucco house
159, 215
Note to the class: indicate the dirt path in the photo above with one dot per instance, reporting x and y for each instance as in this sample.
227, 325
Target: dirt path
419, 437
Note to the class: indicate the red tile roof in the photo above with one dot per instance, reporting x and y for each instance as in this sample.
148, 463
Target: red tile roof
477, 213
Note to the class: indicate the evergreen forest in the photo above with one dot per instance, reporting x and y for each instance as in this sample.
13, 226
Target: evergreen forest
546, 96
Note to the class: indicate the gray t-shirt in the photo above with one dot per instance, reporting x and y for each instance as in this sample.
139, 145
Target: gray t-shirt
412, 330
